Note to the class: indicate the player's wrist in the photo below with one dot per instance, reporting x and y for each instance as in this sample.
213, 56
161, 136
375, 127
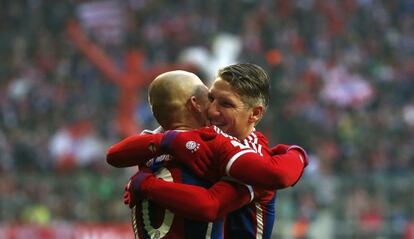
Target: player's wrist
138, 181
146, 185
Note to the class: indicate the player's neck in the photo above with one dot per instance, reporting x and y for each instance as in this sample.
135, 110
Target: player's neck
181, 126
245, 133
186, 122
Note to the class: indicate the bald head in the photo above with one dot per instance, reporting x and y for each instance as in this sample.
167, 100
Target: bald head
169, 95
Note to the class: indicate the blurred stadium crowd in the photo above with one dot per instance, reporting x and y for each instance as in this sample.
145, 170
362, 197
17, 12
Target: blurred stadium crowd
342, 86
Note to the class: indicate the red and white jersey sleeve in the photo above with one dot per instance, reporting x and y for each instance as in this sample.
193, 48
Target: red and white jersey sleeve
227, 149
251, 162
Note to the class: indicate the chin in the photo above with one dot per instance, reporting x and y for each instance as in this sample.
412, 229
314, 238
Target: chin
225, 129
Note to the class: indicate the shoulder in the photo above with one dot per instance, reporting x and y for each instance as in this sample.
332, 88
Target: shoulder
219, 132
257, 141
258, 137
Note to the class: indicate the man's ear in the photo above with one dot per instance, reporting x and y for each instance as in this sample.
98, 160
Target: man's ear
257, 114
194, 104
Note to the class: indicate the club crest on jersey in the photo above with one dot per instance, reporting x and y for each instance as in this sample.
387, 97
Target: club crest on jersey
192, 146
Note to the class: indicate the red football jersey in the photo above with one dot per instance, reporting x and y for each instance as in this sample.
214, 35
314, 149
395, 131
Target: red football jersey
153, 220
251, 219
240, 160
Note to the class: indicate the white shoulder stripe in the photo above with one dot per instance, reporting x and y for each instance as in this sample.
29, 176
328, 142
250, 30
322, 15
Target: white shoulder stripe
235, 157
219, 131
254, 146
255, 138
259, 150
216, 129
249, 138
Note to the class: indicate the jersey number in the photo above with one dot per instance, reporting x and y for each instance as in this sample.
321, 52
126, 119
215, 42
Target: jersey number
164, 228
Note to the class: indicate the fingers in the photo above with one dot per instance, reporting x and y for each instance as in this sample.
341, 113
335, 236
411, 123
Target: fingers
280, 149
200, 167
127, 198
127, 186
206, 134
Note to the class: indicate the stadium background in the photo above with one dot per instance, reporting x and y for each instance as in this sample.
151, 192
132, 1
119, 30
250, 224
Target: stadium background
342, 86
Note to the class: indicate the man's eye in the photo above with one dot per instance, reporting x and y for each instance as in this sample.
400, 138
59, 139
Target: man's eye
226, 104
210, 98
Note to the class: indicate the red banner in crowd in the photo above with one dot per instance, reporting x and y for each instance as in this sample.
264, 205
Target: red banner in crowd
67, 231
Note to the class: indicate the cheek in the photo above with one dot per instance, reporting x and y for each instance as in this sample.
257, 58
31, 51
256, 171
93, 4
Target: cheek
233, 120
229, 116
242, 119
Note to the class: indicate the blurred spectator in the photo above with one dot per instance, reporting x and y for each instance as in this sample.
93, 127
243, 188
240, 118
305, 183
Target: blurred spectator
76, 146
409, 230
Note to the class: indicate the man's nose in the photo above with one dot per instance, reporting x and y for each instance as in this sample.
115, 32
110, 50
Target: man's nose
212, 110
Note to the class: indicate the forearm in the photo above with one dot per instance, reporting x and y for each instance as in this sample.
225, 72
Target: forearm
134, 150
271, 172
196, 202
